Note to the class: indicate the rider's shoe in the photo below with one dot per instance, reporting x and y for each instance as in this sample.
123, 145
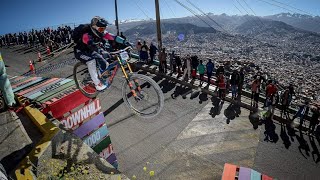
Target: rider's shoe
100, 87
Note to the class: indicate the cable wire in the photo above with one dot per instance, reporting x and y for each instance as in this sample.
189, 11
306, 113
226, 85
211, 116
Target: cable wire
247, 12
194, 13
206, 15
141, 9
174, 14
248, 20
253, 12
292, 7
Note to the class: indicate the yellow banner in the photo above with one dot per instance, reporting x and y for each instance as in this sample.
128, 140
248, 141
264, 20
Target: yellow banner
0, 57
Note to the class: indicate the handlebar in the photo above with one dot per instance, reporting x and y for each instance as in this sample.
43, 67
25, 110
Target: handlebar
119, 51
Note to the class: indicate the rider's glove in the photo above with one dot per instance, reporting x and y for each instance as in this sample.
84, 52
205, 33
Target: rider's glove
126, 43
106, 55
100, 51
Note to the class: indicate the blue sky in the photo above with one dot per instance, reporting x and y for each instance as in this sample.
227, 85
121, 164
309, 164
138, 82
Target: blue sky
18, 15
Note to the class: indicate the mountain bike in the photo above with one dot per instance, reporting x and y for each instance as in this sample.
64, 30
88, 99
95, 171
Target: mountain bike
139, 92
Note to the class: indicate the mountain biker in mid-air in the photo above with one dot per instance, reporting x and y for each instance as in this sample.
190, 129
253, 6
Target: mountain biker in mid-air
87, 38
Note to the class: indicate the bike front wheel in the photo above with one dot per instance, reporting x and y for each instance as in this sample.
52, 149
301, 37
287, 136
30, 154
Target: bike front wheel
149, 99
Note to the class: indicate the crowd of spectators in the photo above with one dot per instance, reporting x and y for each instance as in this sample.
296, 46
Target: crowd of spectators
229, 78
53, 38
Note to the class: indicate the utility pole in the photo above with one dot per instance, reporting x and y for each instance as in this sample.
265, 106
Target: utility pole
117, 20
158, 25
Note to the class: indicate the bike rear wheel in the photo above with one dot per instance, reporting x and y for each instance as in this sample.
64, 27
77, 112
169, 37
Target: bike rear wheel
149, 101
83, 80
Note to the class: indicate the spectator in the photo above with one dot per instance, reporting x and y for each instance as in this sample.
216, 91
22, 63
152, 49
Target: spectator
234, 82
220, 70
291, 92
173, 65
268, 88
163, 61
241, 82
179, 63
302, 112
187, 67
144, 52
222, 85
34, 38
194, 64
138, 46
285, 102
210, 67
152, 51
201, 69
255, 91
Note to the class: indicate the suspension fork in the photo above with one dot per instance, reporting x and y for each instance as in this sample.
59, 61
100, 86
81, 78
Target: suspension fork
135, 81
127, 78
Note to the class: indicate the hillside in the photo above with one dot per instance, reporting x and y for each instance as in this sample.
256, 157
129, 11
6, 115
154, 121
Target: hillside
177, 28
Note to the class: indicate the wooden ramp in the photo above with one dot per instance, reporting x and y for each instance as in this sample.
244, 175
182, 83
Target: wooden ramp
60, 98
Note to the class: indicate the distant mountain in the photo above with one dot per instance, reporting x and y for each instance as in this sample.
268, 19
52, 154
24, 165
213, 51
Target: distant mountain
231, 22
228, 23
302, 21
254, 28
278, 32
238, 28
177, 28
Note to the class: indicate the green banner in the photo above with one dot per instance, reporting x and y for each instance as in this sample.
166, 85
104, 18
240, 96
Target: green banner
5, 85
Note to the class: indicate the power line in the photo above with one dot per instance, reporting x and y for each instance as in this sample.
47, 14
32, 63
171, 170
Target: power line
277, 5
247, 12
145, 8
171, 12
292, 7
253, 11
174, 14
141, 10
237, 8
194, 13
206, 15
241, 12
245, 18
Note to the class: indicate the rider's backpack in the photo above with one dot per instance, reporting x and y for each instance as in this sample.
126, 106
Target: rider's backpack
79, 31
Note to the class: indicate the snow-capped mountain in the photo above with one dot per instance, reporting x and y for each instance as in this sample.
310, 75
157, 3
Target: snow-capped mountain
302, 21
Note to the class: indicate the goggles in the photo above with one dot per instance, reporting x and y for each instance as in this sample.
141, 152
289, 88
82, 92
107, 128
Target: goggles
101, 29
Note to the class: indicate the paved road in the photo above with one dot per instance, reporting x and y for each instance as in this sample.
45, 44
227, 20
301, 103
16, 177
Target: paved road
190, 140
17, 138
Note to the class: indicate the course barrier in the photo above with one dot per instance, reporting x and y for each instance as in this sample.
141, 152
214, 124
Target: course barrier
233, 172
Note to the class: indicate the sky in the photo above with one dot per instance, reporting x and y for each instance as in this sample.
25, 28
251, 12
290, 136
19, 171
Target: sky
20, 15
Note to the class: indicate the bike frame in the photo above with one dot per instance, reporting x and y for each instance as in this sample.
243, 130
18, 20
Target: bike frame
118, 64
